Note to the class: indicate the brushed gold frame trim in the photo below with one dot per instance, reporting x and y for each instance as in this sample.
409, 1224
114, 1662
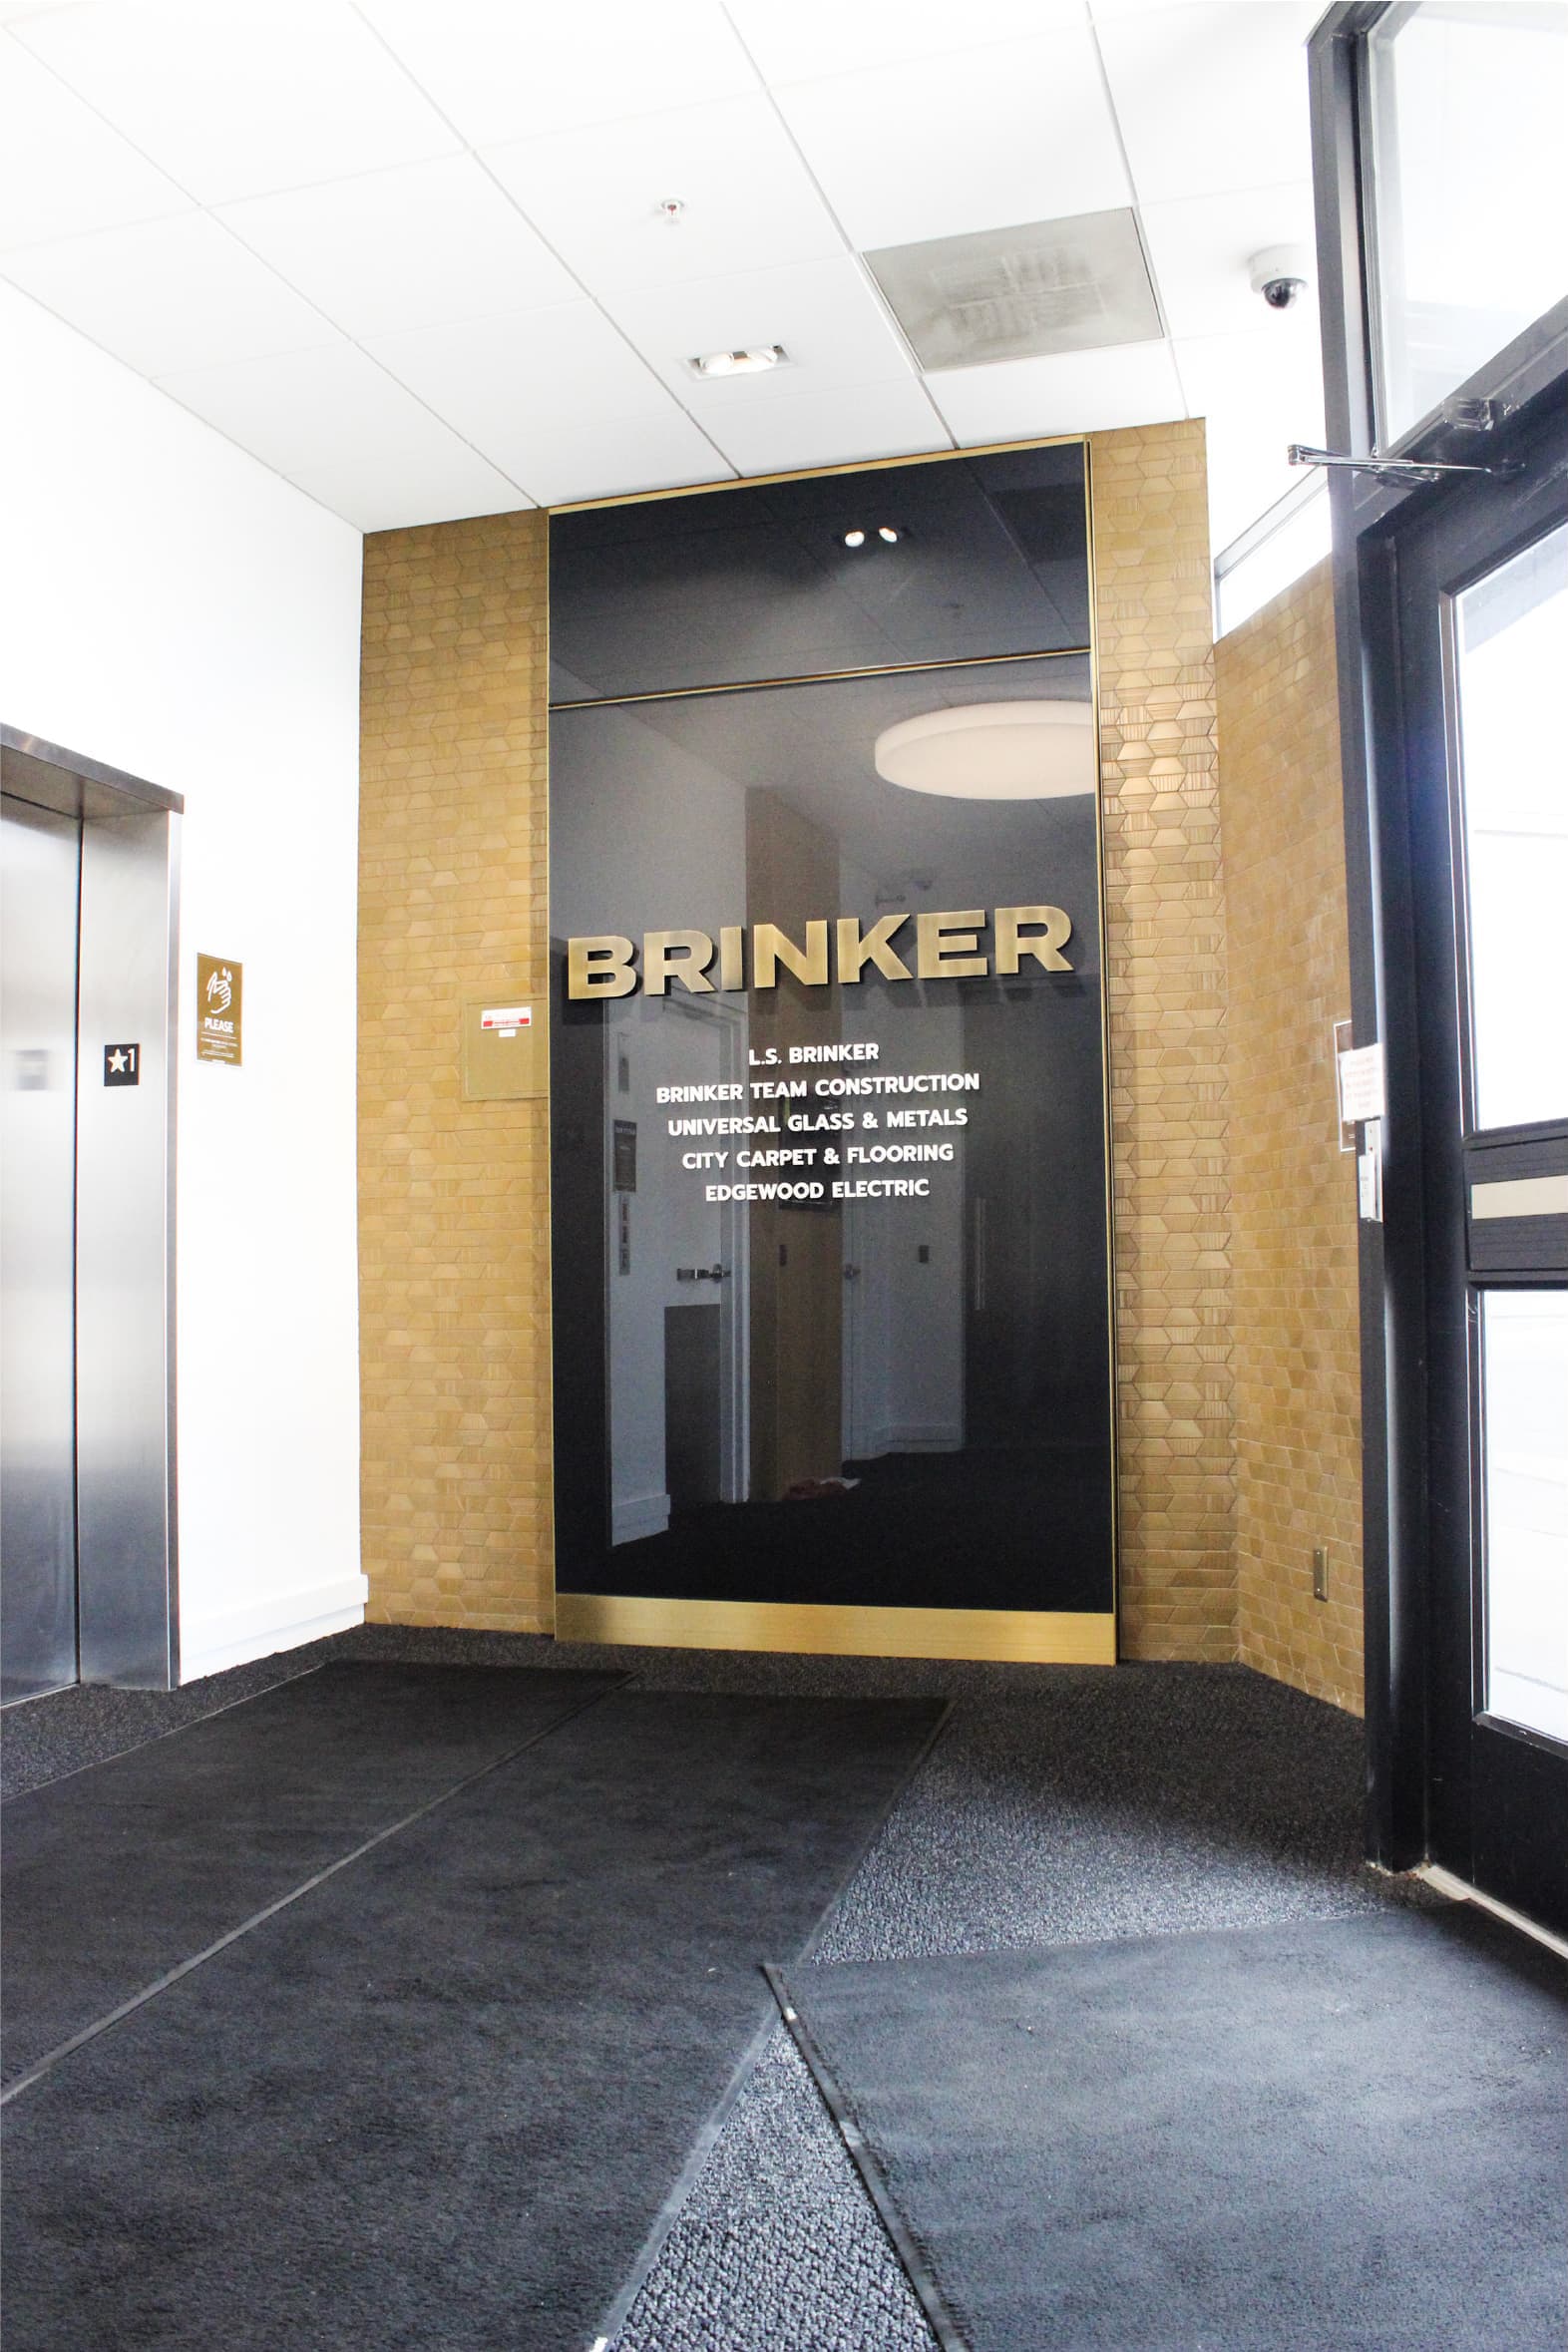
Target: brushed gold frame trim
1105, 1031
918, 457
1032, 1637
822, 677
577, 1613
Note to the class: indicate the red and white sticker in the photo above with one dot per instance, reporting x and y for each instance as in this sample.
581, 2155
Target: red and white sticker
507, 1018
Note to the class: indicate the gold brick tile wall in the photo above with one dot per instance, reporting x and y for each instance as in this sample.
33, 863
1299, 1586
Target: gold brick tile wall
1165, 960
453, 1195
1296, 1353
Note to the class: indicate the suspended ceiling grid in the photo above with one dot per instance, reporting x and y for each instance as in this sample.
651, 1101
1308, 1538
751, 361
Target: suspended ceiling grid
410, 253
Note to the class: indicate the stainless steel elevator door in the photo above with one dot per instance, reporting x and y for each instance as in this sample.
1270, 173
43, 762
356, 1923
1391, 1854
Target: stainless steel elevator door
39, 876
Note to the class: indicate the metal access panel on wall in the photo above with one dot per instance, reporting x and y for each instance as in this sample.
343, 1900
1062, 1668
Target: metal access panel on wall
833, 1346
506, 1050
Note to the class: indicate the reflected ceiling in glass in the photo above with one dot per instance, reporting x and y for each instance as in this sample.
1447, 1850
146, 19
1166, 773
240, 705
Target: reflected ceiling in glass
957, 560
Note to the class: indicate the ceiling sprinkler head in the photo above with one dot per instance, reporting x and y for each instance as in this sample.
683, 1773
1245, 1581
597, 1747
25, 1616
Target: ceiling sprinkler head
671, 208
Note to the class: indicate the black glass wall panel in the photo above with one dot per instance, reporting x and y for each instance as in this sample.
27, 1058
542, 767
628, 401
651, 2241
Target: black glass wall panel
831, 1235
731, 586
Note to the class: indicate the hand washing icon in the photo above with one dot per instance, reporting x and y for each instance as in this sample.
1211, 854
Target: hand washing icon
219, 990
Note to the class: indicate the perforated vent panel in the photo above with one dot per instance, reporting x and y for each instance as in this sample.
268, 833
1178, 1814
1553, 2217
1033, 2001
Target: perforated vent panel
1019, 293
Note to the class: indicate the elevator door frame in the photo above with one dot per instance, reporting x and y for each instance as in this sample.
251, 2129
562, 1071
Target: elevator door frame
125, 1484
42, 887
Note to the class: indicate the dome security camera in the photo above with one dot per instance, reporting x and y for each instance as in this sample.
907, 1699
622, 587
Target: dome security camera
1280, 274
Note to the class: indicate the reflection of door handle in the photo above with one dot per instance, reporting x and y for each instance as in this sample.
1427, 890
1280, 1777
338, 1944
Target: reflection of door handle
851, 1273
701, 1273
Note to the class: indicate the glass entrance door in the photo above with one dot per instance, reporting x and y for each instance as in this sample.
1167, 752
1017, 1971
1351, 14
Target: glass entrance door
1482, 622
1508, 632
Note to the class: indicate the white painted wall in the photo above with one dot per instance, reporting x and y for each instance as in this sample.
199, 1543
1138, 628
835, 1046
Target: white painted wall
170, 607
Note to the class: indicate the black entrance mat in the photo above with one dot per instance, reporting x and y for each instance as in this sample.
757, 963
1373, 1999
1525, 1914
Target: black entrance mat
114, 1876
442, 2100
1348, 2135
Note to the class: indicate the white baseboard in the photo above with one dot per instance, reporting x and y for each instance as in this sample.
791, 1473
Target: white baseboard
639, 1515
923, 1438
907, 1437
210, 1645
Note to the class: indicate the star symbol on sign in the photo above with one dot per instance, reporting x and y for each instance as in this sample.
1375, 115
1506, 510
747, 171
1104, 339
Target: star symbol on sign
119, 1058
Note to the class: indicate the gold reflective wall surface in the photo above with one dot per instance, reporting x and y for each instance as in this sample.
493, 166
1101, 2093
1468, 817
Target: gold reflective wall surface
454, 1231
1166, 979
1296, 1343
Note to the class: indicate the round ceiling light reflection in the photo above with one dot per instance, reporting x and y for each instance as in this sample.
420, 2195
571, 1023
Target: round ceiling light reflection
993, 751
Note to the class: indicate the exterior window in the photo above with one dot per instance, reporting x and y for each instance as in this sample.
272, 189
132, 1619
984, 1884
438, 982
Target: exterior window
1524, 1366
1511, 632
1470, 179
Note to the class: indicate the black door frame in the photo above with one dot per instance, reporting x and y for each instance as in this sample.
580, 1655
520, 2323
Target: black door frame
1496, 1792
1519, 385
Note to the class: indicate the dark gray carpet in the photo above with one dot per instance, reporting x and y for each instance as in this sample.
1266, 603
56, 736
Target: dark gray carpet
1351, 2134
43, 1738
440, 2100
1060, 1804
117, 1874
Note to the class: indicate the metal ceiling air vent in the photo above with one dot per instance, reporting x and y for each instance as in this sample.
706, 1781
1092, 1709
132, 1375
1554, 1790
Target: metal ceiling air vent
1019, 293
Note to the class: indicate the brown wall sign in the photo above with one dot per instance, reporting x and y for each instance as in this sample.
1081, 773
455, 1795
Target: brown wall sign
219, 1009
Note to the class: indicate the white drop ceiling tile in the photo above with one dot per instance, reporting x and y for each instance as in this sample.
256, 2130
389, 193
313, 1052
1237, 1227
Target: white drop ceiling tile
807, 38
335, 424
242, 97
749, 202
1111, 11
1257, 393
666, 451
1200, 246
1073, 392
859, 421
1211, 98
1306, 12
409, 247
504, 382
509, 68
63, 170
168, 295
982, 139
1224, 374
831, 323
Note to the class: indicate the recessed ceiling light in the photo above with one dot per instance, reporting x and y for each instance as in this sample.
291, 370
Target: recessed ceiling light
853, 539
885, 531
753, 362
